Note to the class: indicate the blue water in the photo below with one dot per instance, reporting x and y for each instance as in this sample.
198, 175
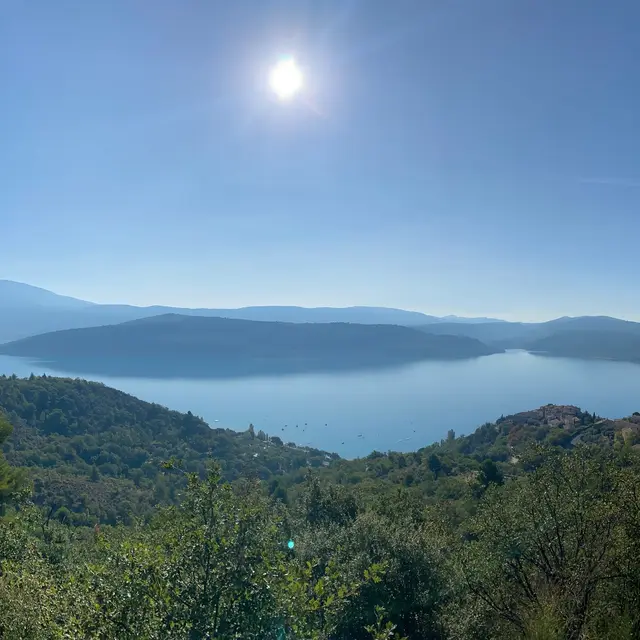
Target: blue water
400, 409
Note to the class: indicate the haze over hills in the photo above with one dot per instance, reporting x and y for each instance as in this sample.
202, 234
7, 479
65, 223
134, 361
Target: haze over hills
609, 345
18, 295
26, 310
176, 345
507, 334
584, 337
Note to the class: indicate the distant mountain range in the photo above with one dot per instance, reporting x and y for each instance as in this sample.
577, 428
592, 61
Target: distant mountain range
26, 310
175, 345
583, 337
279, 338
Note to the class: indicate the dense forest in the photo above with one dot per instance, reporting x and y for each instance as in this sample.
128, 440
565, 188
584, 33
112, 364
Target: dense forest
98, 452
122, 519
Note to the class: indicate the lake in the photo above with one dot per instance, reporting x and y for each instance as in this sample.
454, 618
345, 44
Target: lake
402, 409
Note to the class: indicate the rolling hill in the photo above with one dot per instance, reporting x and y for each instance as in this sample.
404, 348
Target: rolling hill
581, 337
26, 310
585, 343
176, 345
98, 451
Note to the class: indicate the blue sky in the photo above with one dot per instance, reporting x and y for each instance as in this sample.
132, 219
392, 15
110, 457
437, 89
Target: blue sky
470, 157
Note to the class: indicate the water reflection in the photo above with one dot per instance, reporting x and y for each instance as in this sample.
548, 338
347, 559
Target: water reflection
216, 369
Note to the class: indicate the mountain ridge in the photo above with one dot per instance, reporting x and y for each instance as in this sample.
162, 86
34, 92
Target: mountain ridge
17, 294
28, 310
174, 345
599, 337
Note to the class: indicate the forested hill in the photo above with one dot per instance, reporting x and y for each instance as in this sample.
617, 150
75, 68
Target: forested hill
481, 536
99, 452
447, 470
184, 346
192, 337
97, 449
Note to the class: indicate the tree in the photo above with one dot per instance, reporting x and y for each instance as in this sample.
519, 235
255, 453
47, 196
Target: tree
11, 479
324, 504
490, 474
547, 545
434, 465
217, 566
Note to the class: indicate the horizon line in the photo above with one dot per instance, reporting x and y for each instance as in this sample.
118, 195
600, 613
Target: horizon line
471, 316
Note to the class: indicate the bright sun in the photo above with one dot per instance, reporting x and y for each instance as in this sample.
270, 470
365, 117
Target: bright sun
286, 79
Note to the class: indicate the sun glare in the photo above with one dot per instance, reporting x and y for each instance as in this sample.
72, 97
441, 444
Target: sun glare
286, 79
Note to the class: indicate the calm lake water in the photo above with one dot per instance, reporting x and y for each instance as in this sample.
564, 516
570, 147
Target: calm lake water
400, 409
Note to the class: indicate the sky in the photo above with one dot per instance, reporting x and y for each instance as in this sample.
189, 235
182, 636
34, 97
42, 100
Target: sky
473, 157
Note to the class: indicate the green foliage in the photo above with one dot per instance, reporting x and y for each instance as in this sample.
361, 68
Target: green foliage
394, 536
551, 554
215, 566
550, 549
98, 452
382, 631
489, 536
11, 479
210, 567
